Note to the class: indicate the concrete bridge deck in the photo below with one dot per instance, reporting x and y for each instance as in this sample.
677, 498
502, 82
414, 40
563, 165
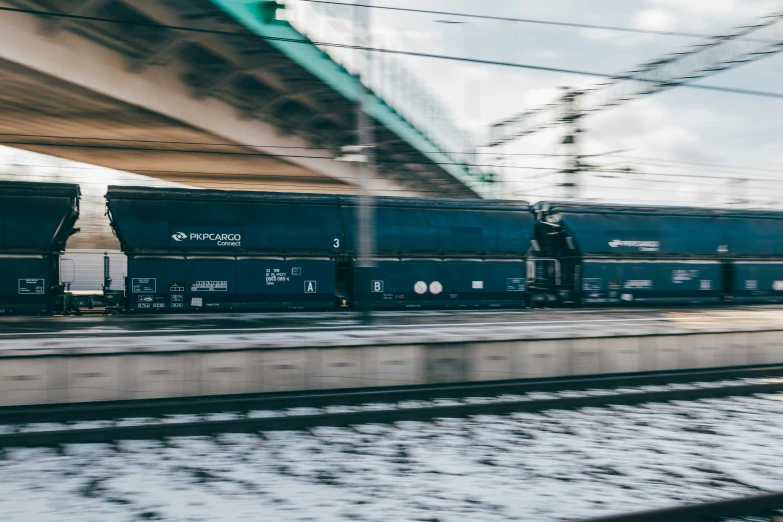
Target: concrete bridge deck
160, 89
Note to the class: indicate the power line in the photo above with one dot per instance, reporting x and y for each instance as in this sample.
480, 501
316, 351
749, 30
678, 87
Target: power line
528, 20
218, 184
260, 176
686, 67
250, 154
211, 144
239, 145
684, 170
718, 165
87, 180
681, 176
543, 171
526, 194
658, 161
244, 178
215, 183
550, 170
399, 52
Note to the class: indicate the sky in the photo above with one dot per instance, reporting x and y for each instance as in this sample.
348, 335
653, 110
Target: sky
711, 131
683, 146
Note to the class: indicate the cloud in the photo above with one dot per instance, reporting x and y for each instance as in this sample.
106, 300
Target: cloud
655, 20
599, 34
775, 153
656, 129
735, 12
541, 96
550, 54
616, 38
398, 38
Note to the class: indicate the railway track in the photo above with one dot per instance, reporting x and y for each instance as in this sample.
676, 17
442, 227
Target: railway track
767, 506
156, 419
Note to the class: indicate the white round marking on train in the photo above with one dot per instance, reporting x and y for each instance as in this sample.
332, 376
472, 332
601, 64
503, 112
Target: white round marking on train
436, 287
420, 287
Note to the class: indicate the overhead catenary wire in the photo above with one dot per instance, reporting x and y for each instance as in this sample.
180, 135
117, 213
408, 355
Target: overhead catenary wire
228, 186
700, 164
728, 176
686, 67
249, 154
532, 194
676, 175
638, 167
235, 185
384, 162
535, 21
714, 189
684, 177
220, 178
251, 181
649, 160
326, 190
400, 52
256, 36
214, 144
541, 171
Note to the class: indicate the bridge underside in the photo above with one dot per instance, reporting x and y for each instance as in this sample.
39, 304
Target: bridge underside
42, 114
164, 103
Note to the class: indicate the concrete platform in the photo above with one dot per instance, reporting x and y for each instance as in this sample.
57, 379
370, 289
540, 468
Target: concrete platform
52, 360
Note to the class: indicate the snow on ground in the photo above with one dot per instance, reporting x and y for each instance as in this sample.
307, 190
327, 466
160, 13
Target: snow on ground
558, 465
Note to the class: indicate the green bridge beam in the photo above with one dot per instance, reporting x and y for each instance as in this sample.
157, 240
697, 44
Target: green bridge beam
259, 18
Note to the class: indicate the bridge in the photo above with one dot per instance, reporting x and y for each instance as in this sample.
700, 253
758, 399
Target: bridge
209, 94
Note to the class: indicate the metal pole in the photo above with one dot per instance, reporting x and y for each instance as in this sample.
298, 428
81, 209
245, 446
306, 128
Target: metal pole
466, 152
366, 142
476, 95
738, 188
571, 118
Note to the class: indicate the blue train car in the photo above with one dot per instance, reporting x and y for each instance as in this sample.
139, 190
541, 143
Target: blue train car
756, 249
445, 253
612, 255
192, 250
36, 219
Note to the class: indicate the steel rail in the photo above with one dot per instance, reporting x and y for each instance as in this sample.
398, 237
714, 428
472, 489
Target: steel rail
161, 430
757, 505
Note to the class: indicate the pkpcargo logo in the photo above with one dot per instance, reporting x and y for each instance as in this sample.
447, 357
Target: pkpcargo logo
228, 240
643, 246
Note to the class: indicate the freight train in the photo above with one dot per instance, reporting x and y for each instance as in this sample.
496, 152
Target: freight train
206, 250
